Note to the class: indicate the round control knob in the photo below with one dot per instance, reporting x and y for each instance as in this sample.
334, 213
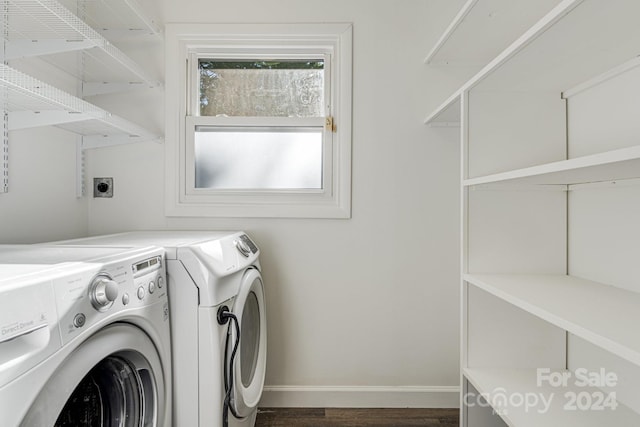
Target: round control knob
79, 320
242, 247
104, 291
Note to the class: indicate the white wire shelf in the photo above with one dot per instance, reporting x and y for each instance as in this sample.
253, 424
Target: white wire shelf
43, 27
116, 19
32, 103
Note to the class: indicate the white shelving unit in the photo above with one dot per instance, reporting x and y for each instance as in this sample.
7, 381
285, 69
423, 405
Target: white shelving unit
49, 29
589, 310
30, 103
116, 19
550, 173
46, 27
476, 35
496, 383
621, 164
483, 28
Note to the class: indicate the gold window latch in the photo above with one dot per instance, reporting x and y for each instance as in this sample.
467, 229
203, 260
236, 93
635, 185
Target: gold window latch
329, 124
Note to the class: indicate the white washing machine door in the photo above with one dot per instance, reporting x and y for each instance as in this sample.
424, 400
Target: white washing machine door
112, 379
251, 359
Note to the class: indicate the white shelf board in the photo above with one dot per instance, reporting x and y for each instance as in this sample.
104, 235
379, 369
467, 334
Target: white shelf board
496, 383
556, 14
483, 28
447, 114
33, 102
557, 53
612, 165
40, 27
601, 314
566, 48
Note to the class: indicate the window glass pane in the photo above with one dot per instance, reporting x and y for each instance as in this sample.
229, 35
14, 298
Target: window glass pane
252, 158
261, 88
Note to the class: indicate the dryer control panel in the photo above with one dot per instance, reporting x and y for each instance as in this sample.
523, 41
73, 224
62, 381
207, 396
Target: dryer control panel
245, 245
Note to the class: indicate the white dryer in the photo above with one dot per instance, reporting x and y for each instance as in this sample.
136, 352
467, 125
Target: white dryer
84, 337
212, 277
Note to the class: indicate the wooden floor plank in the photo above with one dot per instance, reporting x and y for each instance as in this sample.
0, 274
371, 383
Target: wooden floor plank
356, 417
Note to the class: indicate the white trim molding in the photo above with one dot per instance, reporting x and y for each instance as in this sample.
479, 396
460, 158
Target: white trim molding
334, 41
360, 397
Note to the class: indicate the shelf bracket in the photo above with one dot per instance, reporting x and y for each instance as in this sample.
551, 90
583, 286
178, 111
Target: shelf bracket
30, 119
28, 48
143, 16
80, 188
4, 165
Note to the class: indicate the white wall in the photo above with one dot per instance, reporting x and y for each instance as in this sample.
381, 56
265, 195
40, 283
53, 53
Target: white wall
41, 203
369, 302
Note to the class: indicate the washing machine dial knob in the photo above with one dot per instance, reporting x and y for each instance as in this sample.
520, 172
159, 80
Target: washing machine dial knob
242, 247
104, 291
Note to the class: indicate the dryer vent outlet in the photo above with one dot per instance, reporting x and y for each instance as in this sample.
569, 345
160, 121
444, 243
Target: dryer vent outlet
102, 187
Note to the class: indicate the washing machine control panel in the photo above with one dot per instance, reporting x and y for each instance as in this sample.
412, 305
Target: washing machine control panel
102, 292
149, 278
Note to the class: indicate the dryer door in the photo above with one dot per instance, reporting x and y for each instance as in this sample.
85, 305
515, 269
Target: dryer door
112, 379
251, 359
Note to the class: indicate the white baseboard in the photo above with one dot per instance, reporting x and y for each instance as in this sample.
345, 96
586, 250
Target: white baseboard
360, 397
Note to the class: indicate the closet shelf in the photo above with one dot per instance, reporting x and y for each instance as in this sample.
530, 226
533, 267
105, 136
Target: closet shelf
116, 19
612, 165
32, 103
592, 311
447, 114
483, 28
501, 384
544, 58
559, 52
44, 27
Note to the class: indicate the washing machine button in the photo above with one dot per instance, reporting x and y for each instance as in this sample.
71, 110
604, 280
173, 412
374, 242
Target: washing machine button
79, 320
125, 299
140, 293
152, 287
160, 282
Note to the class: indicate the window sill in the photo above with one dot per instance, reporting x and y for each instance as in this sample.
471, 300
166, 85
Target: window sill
257, 210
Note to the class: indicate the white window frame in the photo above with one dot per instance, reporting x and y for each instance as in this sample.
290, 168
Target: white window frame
186, 43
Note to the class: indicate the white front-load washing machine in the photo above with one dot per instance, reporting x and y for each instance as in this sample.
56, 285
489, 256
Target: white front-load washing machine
218, 322
84, 337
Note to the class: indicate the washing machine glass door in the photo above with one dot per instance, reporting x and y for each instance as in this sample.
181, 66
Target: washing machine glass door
251, 360
114, 379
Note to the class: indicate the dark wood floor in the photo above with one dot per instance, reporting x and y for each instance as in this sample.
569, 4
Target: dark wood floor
341, 417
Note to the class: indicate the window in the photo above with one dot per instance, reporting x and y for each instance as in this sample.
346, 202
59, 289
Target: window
265, 126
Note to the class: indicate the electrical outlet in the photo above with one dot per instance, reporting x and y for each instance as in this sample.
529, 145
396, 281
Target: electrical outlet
102, 187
